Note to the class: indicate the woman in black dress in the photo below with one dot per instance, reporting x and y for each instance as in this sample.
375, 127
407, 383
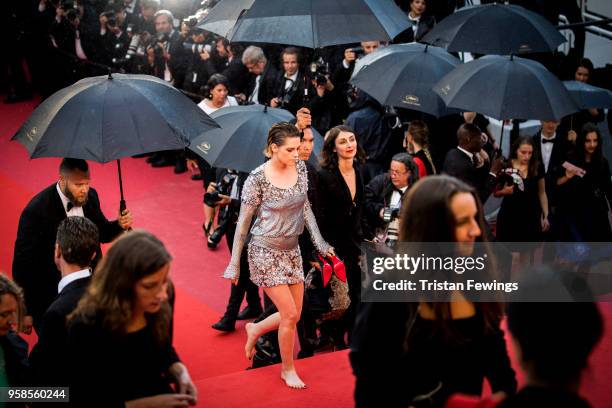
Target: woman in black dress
523, 214
407, 350
584, 201
340, 200
119, 334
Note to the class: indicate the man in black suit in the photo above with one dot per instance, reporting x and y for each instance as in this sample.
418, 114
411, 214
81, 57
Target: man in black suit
260, 89
33, 266
551, 148
468, 161
77, 242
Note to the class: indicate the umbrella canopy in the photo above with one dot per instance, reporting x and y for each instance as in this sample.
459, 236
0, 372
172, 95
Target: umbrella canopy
506, 88
495, 29
223, 16
588, 96
109, 117
319, 23
242, 138
410, 71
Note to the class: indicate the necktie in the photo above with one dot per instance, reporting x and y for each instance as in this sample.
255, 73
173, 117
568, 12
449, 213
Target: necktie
544, 140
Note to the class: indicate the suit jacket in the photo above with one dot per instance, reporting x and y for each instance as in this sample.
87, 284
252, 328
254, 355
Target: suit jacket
238, 77
266, 84
458, 164
378, 194
33, 264
561, 148
338, 216
407, 36
48, 355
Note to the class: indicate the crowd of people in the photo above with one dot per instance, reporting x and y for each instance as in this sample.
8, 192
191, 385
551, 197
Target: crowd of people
385, 175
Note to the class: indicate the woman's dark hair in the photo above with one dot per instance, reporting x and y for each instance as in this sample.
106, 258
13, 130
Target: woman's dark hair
110, 298
426, 216
277, 135
329, 158
586, 63
538, 328
213, 81
580, 151
420, 134
534, 162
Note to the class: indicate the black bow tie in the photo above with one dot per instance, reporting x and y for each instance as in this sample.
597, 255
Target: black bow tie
544, 140
69, 206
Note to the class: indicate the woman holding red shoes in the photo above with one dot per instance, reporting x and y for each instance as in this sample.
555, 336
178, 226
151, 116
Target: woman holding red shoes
340, 200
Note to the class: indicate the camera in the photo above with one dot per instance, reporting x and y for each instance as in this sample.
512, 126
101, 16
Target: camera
111, 18
390, 214
319, 70
358, 51
196, 48
211, 199
190, 21
284, 100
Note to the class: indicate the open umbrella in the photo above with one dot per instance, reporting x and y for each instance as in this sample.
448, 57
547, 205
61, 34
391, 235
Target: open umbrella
495, 29
106, 118
588, 96
319, 23
506, 88
242, 138
410, 71
223, 16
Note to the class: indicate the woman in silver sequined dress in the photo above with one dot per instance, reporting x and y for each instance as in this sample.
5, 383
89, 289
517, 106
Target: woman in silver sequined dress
275, 195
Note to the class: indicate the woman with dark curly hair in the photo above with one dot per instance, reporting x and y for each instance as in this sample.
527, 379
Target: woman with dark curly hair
341, 199
119, 335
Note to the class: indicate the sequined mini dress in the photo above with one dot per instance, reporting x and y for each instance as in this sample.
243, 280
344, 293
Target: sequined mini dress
280, 216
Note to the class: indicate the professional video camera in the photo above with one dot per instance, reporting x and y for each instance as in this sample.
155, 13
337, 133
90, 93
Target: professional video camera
224, 187
136, 52
319, 71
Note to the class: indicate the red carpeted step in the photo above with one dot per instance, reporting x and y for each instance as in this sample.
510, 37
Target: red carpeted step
328, 376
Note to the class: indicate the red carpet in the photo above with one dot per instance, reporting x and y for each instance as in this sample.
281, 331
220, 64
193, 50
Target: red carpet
171, 207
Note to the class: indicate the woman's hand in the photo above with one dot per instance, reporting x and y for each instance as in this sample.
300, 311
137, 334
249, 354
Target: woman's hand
186, 385
162, 401
545, 223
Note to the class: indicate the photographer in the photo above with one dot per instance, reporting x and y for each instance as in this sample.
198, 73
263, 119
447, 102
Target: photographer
114, 39
200, 66
260, 87
225, 194
166, 55
383, 197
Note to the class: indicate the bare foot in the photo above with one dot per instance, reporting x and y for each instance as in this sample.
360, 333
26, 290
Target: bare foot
249, 347
292, 380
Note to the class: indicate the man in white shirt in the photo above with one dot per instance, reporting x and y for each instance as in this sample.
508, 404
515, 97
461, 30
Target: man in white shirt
263, 73
75, 248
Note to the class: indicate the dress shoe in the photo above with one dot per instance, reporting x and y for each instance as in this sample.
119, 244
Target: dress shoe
225, 325
163, 162
180, 167
248, 313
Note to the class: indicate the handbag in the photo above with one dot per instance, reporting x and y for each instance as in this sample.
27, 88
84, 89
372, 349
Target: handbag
327, 288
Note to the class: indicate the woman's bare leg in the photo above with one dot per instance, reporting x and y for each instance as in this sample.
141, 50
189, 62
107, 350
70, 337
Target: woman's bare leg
288, 301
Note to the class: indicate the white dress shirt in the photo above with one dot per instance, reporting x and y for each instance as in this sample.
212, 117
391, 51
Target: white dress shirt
546, 149
254, 96
71, 277
74, 211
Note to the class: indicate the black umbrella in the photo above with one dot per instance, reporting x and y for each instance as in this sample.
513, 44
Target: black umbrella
109, 117
588, 96
506, 88
495, 29
410, 71
223, 16
319, 23
242, 138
